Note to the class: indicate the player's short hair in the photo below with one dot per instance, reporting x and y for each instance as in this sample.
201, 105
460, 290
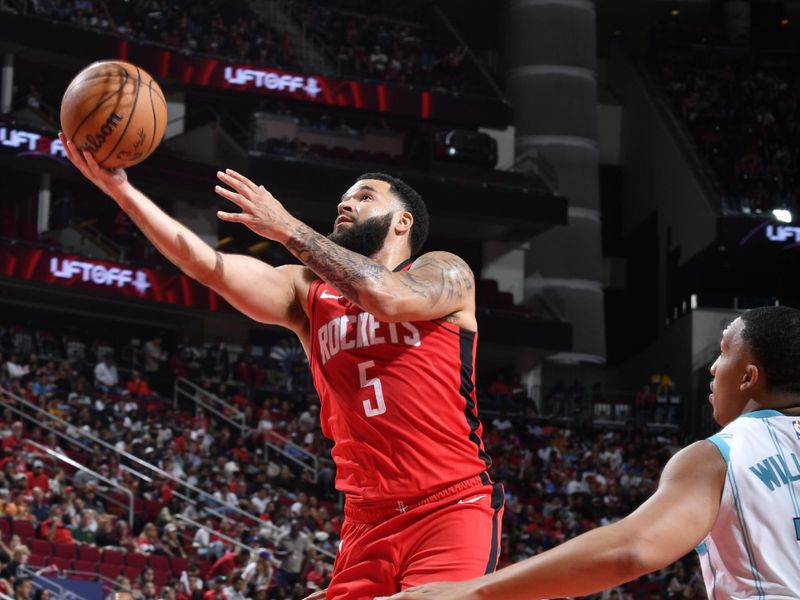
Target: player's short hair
412, 202
772, 333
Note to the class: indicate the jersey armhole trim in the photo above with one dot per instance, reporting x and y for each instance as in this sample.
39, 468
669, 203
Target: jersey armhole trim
701, 548
312, 302
722, 446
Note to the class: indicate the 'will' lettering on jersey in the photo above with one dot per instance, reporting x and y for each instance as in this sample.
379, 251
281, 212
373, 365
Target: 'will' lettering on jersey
361, 331
776, 470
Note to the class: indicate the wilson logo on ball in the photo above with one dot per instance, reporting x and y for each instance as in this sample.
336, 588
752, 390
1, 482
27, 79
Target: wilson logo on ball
115, 111
95, 141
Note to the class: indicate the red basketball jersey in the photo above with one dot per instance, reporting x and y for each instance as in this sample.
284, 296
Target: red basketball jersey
398, 399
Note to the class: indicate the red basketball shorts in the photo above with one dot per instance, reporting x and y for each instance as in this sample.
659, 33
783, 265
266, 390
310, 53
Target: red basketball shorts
452, 535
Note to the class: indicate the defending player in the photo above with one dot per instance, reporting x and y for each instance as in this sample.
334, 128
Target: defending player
391, 343
733, 496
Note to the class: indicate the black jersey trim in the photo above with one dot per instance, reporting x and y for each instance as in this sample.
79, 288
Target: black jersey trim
498, 500
466, 343
312, 305
404, 264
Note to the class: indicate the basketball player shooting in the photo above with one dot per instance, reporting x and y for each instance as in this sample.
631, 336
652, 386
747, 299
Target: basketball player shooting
391, 345
732, 497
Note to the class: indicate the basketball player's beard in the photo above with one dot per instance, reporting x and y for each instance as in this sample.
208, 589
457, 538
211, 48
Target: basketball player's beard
364, 238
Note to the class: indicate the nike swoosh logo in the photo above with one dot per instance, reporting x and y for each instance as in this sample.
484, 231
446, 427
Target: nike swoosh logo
324, 295
471, 500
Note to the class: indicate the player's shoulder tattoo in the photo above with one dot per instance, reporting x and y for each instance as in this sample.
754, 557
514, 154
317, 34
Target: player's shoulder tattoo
440, 275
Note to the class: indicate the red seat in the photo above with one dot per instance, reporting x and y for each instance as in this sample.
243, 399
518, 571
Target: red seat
5, 528
84, 566
161, 577
159, 562
132, 573
90, 553
109, 571
24, 529
63, 564
134, 559
38, 561
41, 547
113, 557
203, 566
69, 551
179, 565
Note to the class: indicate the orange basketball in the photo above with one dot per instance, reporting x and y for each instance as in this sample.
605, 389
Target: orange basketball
116, 111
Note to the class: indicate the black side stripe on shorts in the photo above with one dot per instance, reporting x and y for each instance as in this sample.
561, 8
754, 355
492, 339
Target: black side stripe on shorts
498, 499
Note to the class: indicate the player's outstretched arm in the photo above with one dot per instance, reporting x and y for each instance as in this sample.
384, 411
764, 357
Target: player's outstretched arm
437, 285
262, 292
672, 522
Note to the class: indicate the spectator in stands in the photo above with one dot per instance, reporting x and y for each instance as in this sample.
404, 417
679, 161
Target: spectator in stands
217, 590
91, 499
55, 483
318, 577
148, 541
55, 529
236, 591
293, 546
190, 586
40, 509
149, 590
230, 564
13, 440
171, 543
37, 478
258, 572
23, 589
501, 393
124, 535
83, 531
106, 377
13, 368
7, 550
147, 575
153, 356
19, 558
217, 362
139, 389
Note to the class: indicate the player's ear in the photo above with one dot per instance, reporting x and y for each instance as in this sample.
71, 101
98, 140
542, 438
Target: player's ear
404, 222
751, 377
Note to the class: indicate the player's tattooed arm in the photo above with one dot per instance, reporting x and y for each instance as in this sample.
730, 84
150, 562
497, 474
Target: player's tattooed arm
347, 271
437, 285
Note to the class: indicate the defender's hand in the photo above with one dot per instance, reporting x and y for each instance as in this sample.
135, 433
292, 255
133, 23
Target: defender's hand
451, 590
261, 212
318, 595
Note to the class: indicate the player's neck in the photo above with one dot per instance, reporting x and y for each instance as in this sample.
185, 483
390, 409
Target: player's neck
788, 404
391, 255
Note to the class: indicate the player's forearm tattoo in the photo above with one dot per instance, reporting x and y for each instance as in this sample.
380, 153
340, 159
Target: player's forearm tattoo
350, 272
345, 270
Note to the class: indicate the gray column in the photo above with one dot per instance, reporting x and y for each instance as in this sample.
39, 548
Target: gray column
552, 83
43, 212
7, 83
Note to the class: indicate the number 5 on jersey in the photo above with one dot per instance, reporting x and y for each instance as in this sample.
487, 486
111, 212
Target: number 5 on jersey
376, 384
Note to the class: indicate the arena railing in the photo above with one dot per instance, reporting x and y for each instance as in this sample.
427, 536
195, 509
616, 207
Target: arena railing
188, 390
41, 418
59, 591
53, 570
194, 394
76, 465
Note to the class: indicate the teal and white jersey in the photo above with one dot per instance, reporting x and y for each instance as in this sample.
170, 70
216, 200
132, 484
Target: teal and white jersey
753, 549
